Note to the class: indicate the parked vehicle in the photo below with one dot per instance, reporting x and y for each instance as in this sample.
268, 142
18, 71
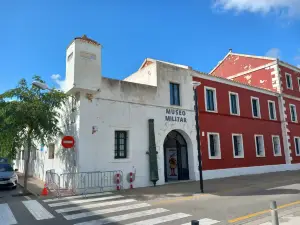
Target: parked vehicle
8, 176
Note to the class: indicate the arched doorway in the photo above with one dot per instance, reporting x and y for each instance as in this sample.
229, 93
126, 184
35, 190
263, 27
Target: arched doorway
175, 157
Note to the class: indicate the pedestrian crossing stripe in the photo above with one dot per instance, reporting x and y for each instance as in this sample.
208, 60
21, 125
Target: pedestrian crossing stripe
105, 211
84, 201
120, 218
6, 215
95, 205
37, 210
77, 196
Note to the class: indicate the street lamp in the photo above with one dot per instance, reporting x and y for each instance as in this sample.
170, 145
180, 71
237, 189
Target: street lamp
195, 85
41, 85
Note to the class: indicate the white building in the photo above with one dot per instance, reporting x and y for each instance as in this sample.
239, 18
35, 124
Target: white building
111, 123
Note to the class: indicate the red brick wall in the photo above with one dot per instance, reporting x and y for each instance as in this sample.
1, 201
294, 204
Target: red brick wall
295, 75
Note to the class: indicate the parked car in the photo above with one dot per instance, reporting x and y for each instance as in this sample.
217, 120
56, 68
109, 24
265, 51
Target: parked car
8, 176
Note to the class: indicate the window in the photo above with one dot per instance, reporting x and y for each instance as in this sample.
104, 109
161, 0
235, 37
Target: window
298, 79
174, 94
120, 144
238, 148
297, 145
289, 82
70, 56
214, 149
272, 110
276, 145
234, 103
259, 146
293, 113
210, 99
255, 107
51, 149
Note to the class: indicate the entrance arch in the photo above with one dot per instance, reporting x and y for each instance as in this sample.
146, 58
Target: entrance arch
175, 157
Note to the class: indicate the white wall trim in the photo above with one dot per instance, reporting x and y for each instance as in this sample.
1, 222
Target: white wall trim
296, 116
263, 145
258, 107
294, 68
288, 75
252, 70
215, 99
242, 144
295, 149
219, 156
241, 171
274, 109
276, 136
237, 105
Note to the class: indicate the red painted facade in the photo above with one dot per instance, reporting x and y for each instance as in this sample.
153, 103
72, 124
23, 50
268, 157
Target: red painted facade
260, 78
272, 78
225, 124
234, 64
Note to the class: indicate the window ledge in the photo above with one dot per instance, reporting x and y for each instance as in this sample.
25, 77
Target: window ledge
260, 156
211, 111
239, 157
277, 155
215, 157
232, 114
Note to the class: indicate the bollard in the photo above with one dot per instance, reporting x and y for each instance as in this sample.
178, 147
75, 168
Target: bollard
195, 222
274, 213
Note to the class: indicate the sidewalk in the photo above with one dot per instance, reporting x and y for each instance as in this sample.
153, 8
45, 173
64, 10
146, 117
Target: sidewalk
34, 185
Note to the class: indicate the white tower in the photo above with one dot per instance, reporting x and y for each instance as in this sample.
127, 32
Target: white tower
83, 65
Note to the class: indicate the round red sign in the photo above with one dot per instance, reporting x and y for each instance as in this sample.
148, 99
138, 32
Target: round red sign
68, 142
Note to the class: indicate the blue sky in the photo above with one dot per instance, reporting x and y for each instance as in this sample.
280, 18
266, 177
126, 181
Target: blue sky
198, 33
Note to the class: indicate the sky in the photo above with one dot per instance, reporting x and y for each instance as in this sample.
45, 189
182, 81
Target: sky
34, 34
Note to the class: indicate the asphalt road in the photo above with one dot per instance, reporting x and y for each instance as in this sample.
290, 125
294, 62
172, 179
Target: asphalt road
229, 205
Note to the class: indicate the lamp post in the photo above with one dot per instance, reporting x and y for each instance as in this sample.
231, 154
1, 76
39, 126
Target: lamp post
195, 85
41, 85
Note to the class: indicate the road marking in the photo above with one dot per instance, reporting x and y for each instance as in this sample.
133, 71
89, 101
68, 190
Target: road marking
37, 210
84, 201
100, 204
115, 219
77, 196
105, 211
262, 212
161, 219
205, 221
27, 197
6, 215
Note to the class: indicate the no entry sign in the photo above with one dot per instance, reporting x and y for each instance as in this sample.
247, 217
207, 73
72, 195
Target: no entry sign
68, 142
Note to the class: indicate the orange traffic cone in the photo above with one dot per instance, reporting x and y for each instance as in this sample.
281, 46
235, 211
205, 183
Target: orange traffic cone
44, 191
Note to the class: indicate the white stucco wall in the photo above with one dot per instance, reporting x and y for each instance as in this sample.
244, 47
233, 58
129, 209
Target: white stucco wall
147, 76
127, 106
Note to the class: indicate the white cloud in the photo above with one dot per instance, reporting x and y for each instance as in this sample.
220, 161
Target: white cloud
62, 84
273, 52
290, 8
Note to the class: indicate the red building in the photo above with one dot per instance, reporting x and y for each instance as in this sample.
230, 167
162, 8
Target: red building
248, 115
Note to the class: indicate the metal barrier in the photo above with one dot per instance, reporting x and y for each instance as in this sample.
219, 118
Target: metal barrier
83, 182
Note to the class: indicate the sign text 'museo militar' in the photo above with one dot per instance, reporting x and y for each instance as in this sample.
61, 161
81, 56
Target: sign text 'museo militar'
175, 115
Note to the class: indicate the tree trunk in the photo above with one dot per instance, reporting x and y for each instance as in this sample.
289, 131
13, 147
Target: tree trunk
27, 161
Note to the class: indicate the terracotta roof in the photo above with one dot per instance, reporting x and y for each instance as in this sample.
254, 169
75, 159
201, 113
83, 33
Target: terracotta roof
84, 38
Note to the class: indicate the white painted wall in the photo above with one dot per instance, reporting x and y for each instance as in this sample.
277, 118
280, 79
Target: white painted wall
147, 76
127, 106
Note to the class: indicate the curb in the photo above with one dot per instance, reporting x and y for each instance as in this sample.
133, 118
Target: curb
29, 190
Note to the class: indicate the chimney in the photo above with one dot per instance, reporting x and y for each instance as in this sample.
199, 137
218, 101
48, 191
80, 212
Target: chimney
230, 50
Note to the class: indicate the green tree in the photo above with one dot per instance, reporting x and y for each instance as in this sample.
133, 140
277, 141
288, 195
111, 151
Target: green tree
29, 115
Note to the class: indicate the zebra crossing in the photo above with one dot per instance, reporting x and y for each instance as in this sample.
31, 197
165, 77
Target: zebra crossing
116, 209
92, 209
